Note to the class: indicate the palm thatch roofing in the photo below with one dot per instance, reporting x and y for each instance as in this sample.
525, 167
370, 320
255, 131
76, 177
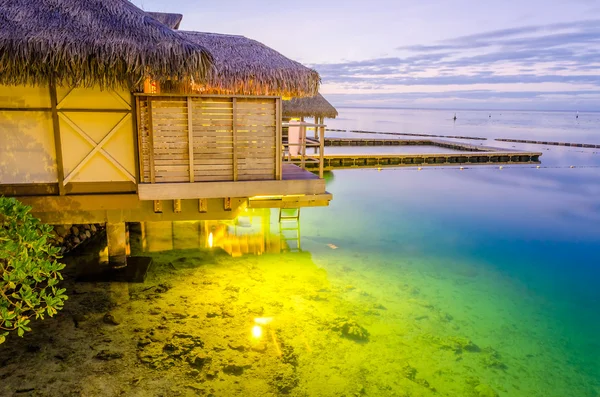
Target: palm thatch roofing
170, 20
246, 67
87, 42
316, 106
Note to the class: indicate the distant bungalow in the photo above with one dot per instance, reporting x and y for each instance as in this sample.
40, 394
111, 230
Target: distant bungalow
108, 114
316, 107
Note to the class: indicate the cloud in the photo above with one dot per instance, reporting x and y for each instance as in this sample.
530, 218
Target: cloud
561, 53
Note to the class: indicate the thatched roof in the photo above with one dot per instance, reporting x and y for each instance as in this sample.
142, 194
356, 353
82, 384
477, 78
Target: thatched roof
87, 42
316, 106
245, 66
170, 20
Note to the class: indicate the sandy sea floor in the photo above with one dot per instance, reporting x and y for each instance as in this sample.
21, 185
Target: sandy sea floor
339, 322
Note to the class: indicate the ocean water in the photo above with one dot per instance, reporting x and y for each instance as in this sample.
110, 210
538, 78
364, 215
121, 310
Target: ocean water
546, 126
479, 282
511, 254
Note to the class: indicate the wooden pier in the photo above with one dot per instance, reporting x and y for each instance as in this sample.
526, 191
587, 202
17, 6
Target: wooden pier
569, 144
407, 142
465, 154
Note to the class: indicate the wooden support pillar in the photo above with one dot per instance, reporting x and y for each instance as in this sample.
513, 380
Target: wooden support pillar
136, 237
118, 244
60, 172
278, 140
321, 151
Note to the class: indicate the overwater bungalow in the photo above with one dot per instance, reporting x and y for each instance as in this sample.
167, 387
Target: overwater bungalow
316, 107
109, 115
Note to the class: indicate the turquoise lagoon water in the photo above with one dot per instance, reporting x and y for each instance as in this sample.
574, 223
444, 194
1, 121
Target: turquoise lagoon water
513, 255
479, 282
482, 282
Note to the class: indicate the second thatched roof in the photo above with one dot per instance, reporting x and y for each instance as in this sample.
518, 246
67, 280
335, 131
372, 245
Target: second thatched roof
247, 67
316, 106
169, 19
92, 42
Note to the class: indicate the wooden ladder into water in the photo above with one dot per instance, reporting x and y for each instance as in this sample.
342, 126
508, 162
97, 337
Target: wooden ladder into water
289, 229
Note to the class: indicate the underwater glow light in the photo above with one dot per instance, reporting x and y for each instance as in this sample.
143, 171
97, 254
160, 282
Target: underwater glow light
210, 240
263, 320
257, 331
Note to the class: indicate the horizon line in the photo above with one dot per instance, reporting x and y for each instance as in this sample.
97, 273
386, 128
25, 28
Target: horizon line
469, 109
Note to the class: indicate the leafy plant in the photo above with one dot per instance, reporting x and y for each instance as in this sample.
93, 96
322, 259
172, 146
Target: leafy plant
29, 272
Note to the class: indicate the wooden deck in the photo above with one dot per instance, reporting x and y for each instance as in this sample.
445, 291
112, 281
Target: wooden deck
293, 172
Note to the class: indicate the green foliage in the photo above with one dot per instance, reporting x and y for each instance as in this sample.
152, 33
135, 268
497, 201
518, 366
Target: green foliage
29, 272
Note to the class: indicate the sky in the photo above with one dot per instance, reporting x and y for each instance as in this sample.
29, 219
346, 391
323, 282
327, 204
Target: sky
458, 54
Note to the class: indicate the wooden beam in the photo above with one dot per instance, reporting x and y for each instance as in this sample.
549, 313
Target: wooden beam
69, 110
137, 138
122, 208
321, 150
151, 142
190, 138
227, 203
88, 202
177, 206
234, 136
278, 139
202, 205
100, 187
25, 109
60, 171
170, 191
28, 189
317, 200
84, 110
166, 95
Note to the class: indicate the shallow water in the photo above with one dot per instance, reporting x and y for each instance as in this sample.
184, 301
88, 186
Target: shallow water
469, 282
479, 282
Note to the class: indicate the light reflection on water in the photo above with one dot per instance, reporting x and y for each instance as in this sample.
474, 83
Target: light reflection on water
252, 233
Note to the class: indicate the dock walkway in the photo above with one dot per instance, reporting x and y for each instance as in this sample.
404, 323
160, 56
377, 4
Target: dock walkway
465, 154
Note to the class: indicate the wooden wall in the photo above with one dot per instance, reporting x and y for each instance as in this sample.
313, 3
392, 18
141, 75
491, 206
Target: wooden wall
60, 140
202, 139
27, 152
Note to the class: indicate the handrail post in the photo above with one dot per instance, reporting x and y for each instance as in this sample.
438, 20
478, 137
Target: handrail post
303, 146
321, 150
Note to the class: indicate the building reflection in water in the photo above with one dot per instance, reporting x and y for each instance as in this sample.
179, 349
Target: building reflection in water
250, 233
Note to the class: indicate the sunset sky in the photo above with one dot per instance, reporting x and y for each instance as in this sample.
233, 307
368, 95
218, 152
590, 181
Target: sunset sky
431, 53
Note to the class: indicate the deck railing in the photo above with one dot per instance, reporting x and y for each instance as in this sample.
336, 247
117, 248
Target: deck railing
193, 138
295, 148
